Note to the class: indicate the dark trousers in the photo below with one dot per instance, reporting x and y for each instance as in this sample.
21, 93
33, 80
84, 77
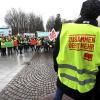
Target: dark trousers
59, 94
25, 47
3, 51
97, 86
33, 47
9, 51
15, 49
37, 48
20, 48
46, 48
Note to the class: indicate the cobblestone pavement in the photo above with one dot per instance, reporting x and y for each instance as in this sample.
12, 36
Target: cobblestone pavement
35, 81
11, 65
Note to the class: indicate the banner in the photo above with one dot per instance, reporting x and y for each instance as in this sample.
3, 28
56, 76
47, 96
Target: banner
43, 34
29, 34
9, 44
46, 34
5, 31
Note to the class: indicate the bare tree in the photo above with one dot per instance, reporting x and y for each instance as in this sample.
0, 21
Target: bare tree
11, 19
32, 22
22, 22
50, 23
39, 24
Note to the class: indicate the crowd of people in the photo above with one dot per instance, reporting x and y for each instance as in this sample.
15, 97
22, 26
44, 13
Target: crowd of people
20, 44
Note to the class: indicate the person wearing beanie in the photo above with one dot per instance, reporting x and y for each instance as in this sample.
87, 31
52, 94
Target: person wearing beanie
89, 12
76, 55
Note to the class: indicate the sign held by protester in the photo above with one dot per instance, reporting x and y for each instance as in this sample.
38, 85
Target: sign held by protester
52, 35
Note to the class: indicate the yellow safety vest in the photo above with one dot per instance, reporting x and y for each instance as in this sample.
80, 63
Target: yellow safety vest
3, 45
79, 56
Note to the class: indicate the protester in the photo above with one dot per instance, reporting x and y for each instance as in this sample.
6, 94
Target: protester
46, 44
9, 45
21, 43
77, 56
38, 44
3, 47
33, 43
0, 44
15, 43
57, 25
25, 44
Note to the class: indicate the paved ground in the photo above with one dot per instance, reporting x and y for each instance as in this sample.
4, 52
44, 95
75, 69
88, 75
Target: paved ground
36, 81
11, 65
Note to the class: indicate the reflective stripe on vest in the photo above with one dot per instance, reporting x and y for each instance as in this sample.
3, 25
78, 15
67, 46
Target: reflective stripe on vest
82, 71
76, 79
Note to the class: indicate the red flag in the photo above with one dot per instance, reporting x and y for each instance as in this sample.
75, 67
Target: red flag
52, 35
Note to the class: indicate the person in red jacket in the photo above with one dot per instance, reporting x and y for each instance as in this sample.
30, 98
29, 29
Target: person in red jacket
15, 42
33, 43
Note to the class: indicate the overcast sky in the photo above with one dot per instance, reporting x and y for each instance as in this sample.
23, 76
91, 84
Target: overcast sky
69, 9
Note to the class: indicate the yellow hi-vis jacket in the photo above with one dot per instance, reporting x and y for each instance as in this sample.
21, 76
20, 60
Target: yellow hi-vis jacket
79, 56
3, 45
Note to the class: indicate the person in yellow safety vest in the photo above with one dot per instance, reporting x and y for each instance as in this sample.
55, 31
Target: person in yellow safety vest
77, 59
0, 43
3, 47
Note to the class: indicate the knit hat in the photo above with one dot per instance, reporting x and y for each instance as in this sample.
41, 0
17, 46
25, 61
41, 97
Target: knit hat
89, 12
90, 9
